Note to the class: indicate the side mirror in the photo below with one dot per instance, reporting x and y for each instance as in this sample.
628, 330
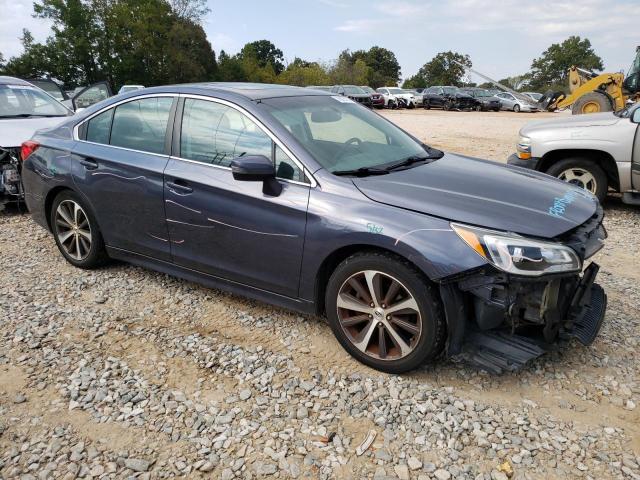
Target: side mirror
257, 168
636, 116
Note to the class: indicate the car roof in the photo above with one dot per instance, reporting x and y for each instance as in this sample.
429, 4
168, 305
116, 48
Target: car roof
251, 91
4, 80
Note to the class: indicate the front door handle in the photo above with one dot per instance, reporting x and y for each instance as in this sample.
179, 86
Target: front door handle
180, 187
89, 163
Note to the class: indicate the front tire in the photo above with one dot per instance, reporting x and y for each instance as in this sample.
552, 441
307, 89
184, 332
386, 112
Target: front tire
405, 326
583, 173
76, 231
516, 108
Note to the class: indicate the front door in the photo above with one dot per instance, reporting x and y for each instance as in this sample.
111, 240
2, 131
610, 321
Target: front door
229, 228
118, 165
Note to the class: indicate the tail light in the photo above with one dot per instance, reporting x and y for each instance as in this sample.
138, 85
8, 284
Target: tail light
28, 148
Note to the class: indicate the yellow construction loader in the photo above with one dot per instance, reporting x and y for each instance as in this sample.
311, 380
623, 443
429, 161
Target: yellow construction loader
591, 92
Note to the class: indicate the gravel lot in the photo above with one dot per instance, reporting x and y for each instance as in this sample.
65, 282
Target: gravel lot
125, 372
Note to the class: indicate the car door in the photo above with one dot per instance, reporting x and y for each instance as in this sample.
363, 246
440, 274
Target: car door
228, 228
118, 164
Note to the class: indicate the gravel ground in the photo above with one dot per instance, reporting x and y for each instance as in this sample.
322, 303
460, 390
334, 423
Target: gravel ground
124, 372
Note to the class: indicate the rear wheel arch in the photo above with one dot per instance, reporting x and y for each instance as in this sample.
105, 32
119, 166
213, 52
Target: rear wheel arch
48, 202
603, 159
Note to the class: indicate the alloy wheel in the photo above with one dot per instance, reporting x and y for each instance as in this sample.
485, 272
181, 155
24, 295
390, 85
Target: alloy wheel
379, 315
73, 229
581, 178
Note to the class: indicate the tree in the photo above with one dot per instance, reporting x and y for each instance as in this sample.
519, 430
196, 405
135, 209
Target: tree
138, 41
193, 10
230, 68
551, 68
265, 53
303, 73
442, 70
348, 69
384, 68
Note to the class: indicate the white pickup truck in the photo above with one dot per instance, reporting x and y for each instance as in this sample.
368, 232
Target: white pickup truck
598, 152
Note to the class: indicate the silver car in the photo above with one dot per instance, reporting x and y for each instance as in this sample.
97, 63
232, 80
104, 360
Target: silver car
24, 108
509, 101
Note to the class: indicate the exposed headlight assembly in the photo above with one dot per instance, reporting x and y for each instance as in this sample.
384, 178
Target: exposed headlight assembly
519, 255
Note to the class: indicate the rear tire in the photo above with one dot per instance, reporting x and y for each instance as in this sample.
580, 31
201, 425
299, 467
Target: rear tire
583, 173
592, 102
392, 341
76, 231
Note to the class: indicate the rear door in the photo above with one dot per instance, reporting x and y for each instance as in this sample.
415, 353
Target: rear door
118, 165
229, 228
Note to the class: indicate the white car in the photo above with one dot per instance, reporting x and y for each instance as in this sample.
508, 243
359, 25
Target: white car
508, 101
24, 108
395, 95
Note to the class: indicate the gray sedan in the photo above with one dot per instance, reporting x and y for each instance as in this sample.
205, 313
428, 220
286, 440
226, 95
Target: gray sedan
509, 101
313, 202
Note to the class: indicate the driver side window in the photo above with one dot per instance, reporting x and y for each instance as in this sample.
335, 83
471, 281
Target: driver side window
214, 133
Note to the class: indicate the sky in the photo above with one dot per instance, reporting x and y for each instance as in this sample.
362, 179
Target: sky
502, 37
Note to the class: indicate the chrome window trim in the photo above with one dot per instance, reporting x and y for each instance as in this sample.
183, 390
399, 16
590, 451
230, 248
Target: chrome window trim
313, 183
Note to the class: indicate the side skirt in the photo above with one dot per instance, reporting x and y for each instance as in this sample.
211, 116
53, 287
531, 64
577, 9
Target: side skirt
212, 281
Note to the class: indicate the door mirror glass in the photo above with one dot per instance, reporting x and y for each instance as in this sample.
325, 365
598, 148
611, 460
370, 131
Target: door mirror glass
90, 95
252, 168
636, 115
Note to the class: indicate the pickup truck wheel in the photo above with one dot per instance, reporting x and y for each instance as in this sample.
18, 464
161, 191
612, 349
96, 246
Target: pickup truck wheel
384, 312
582, 173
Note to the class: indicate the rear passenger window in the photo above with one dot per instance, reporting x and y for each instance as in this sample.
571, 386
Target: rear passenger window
141, 124
99, 127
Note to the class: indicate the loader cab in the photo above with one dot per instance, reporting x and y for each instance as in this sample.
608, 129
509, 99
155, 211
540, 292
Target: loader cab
632, 81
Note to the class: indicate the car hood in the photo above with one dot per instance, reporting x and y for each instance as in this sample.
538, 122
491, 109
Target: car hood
573, 121
14, 131
486, 194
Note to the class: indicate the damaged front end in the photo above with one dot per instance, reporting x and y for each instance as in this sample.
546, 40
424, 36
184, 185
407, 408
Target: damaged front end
498, 320
11, 190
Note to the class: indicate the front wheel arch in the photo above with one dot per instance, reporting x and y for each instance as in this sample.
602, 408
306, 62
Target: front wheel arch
604, 159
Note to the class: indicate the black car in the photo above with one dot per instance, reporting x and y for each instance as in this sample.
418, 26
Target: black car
488, 101
355, 93
448, 98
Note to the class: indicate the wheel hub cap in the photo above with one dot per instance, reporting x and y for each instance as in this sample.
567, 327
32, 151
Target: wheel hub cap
73, 229
379, 315
581, 178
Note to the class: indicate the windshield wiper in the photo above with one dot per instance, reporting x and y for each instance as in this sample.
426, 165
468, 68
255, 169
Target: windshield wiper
414, 159
361, 172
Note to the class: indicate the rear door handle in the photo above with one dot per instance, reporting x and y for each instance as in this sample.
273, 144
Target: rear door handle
180, 187
89, 163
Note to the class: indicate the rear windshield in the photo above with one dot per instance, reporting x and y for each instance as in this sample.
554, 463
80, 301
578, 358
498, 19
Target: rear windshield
23, 101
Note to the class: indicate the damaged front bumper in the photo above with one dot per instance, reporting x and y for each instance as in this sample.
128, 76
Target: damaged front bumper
499, 321
10, 184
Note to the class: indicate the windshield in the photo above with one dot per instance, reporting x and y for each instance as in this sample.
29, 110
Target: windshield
535, 96
449, 90
49, 87
28, 101
368, 89
353, 90
396, 91
342, 135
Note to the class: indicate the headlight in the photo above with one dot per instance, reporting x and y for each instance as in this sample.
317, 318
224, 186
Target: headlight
524, 148
519, 255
